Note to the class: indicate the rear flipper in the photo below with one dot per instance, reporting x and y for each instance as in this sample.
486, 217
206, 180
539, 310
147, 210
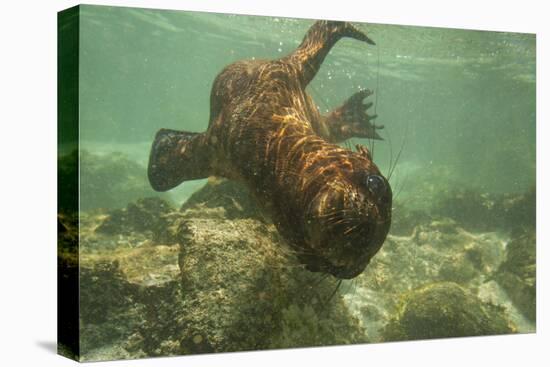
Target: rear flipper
317, 43
177, 156
352, 120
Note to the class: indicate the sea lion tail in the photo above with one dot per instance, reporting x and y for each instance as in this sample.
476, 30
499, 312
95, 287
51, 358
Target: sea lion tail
177, 156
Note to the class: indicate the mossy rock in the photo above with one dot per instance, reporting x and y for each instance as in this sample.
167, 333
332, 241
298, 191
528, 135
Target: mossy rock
521, 210
479, 211
459, 268
232, 197
306, 326
122, 292
241, 289
472, 209
405, 220
443, 310
144, 215
108, 306
517, 275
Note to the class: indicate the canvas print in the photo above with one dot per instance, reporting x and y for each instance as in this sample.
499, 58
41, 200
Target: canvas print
237, 183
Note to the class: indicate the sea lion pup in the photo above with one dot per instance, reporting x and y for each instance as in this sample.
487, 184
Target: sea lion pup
332, 205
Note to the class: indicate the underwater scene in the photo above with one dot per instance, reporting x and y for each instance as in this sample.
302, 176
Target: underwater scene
403, 209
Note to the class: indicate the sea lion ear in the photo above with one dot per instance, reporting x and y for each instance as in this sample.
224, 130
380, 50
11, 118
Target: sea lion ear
364, 151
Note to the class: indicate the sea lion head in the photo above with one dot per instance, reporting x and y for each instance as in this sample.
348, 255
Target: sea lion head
349, 217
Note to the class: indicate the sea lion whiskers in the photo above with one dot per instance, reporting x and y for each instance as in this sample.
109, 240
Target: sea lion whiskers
334, 291
392, 164
322, 277
392, 169
335, 214
341, 218
403, 184
354, 282
351, 229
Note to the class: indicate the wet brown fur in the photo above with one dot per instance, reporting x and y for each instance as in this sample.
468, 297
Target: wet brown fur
267, 132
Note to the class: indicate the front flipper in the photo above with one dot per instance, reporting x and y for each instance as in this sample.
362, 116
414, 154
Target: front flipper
352, 120
317, 43
177, 156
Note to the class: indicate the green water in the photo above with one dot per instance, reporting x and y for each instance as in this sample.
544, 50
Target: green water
459, 101
458, 108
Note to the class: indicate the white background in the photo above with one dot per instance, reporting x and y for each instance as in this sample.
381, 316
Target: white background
28, 182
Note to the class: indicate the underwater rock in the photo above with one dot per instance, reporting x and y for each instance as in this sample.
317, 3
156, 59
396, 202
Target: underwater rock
471, 209
404, 219
521, 210
240, 290
434, 252
145, 215
517, 275
477, 211
439, 251
230, 285
442, 194
106, 181
121, 290
458, 268
108, 310
233, 198
443, 310
233, 284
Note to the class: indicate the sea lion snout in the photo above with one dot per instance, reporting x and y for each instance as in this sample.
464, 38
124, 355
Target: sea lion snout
347, 224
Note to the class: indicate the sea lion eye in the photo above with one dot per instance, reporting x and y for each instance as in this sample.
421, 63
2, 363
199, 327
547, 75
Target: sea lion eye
376, 184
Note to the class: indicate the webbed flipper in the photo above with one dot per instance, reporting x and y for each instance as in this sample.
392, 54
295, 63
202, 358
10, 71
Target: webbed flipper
317, 43
351, 119
177, 156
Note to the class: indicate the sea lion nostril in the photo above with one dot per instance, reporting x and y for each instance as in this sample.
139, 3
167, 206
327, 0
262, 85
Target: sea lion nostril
376, 184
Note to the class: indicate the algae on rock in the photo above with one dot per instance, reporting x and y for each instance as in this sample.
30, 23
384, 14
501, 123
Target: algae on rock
230, 285
479, 211
145, 215
443, 310
517, 275
439, 251
240, 286
231, 197
216, 276
108, 309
